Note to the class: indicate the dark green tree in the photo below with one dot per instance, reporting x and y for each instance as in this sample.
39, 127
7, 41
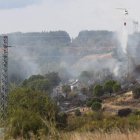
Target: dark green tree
96, 106
53, 78
108, 86
98, 91
32, 78
91, 101
42, 83
116, 87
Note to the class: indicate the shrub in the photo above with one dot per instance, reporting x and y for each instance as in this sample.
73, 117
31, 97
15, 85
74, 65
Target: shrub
91, 101
27, 111
108, 86
96, 100
98, 91
124, 112
77, 112
116, 87
96, 106
23, 122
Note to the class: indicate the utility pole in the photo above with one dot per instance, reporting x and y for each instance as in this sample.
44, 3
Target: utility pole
4, 79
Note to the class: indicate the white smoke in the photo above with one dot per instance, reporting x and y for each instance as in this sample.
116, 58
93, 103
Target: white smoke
122, 50
124, 40
116, 70
24, 61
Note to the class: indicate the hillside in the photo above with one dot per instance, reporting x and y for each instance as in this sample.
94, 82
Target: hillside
41, 52
125, 100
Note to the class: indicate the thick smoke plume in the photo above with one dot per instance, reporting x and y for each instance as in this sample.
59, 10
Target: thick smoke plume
40, 53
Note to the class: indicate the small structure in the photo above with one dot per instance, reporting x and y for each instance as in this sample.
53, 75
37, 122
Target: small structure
75, 84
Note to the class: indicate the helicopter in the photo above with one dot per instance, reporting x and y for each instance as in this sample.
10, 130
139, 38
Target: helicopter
125, 13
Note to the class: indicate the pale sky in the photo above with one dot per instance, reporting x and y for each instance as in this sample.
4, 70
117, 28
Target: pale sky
69, 15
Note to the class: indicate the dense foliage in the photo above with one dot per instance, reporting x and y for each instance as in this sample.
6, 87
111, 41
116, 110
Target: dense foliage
116, 87
108, 86
96, 106
42, 83
91, 101
98, 91
27, 112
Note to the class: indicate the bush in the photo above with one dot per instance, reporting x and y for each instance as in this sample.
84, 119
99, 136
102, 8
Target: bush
124, 112
24, 122
108, 86
91, 101
96, 106
136, 92
96, 100
28, 110
77, 112
116, 87
98, 91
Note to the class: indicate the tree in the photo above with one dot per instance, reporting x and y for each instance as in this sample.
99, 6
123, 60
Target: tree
116, 87
91, 101
42, 83
108, 86
96, 106
53, 78
32, 78
98, 91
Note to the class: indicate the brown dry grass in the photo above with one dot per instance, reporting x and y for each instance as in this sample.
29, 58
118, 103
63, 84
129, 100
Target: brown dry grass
89, 136
101, 136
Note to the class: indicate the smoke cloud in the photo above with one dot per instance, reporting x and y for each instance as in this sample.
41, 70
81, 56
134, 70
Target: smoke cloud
97, 51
